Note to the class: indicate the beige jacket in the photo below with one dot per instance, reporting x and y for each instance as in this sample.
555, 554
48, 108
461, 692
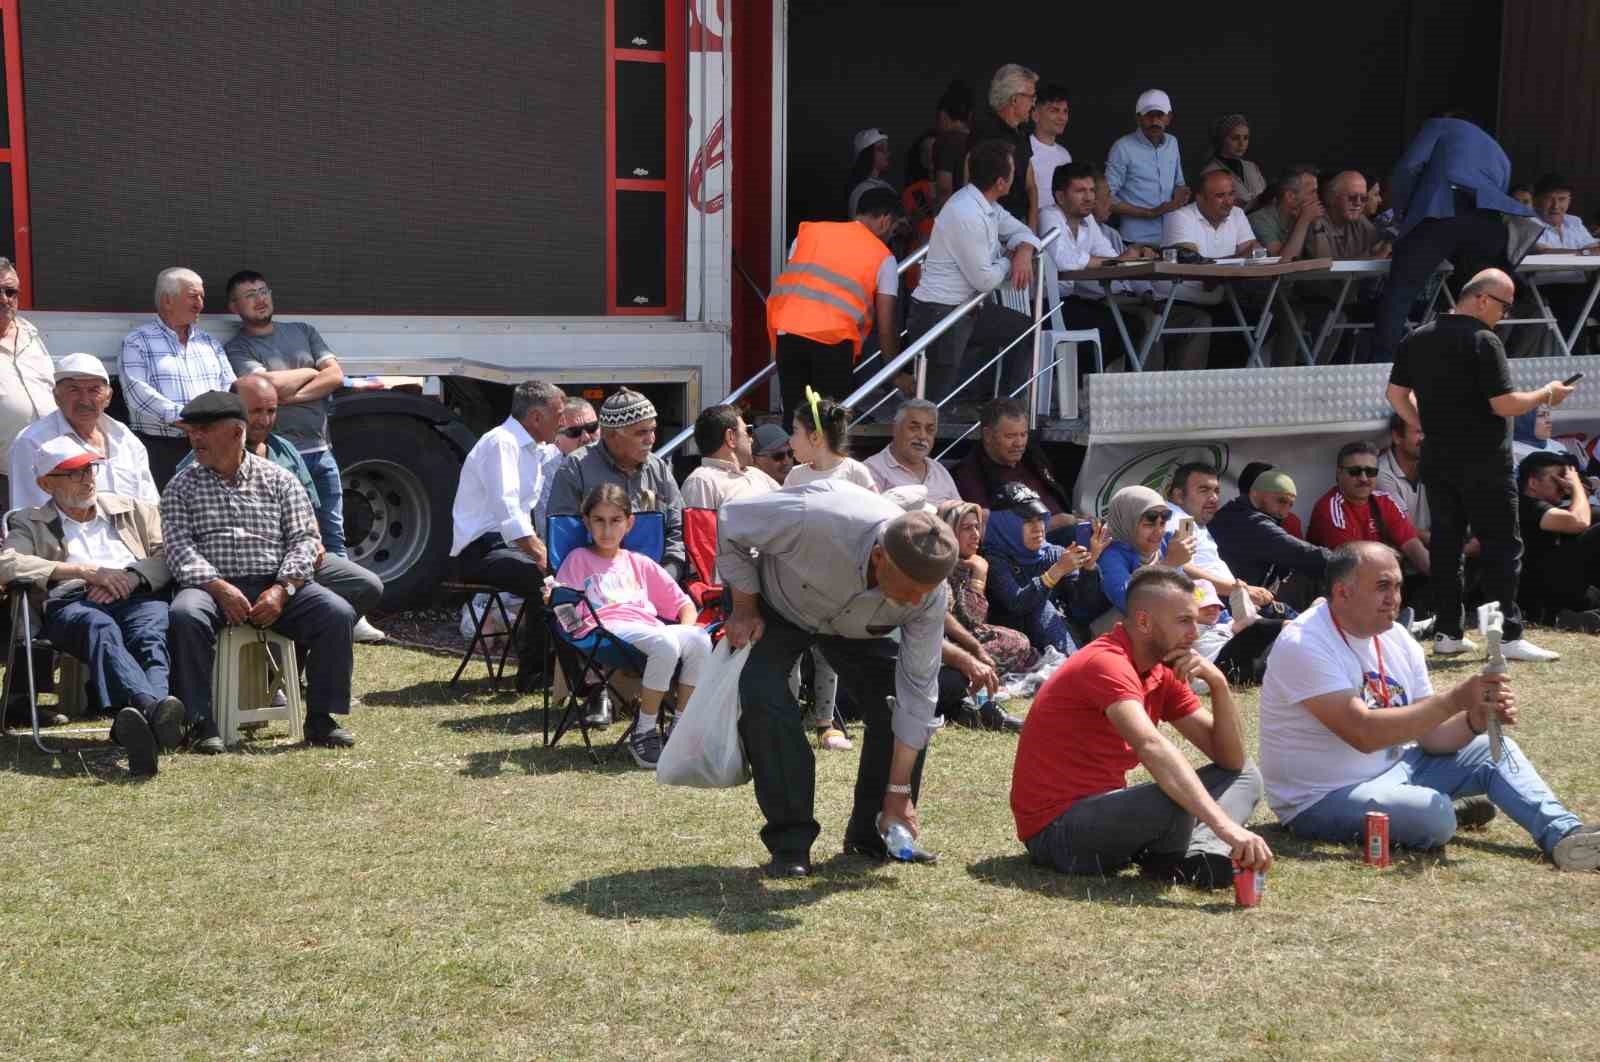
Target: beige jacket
34, 546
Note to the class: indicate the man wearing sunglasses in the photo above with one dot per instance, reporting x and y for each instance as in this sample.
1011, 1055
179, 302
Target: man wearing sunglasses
726, 471
1354, 510
580, 426
770, 451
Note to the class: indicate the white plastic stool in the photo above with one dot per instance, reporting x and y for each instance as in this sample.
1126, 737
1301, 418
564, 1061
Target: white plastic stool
70, 696
242, 682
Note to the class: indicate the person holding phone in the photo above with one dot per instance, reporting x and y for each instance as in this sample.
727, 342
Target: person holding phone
1034, 585
1450, 378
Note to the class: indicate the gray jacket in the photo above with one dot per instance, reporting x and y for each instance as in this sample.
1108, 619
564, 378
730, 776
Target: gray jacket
650, 487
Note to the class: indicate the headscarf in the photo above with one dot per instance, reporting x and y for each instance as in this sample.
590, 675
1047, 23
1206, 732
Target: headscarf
954, 514
1526, 431
1003, 538
1127, 506
1220, 129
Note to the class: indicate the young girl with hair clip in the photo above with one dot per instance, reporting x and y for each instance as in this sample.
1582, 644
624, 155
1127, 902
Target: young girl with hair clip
821, 427
632, 594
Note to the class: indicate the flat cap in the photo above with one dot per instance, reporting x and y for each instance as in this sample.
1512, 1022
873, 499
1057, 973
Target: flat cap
921, 545
212, 407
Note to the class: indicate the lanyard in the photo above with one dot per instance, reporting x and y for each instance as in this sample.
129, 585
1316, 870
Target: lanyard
1377, 647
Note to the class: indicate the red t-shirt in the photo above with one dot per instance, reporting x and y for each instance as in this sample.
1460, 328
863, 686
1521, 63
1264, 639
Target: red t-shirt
1335, 521
1069, 749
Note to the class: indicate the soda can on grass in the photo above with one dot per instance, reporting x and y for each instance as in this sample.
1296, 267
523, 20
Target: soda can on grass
1248, 886
1377, 839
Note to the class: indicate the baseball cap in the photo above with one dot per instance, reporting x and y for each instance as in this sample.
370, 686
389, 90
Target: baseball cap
1530, 465
1020, 499
921, 545
1153, 100
866, 138
768, 439
62, 454
81, 365
1206, 594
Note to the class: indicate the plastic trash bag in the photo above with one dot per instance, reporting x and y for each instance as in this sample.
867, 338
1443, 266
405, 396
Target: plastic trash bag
705, 751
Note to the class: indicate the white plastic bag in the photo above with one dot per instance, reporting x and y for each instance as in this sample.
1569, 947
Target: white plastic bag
705, 751
494, 624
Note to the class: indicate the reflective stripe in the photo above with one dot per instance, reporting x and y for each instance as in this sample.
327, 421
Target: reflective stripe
829, 275
800, 292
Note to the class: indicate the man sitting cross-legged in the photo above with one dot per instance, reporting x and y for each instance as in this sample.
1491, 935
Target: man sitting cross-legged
1096, 718
95, 564
1350, 724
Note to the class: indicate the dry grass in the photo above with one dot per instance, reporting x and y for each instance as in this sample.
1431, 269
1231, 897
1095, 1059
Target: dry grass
448, 889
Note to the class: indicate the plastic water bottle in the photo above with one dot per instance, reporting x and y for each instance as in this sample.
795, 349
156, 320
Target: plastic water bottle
981, 698
897, 838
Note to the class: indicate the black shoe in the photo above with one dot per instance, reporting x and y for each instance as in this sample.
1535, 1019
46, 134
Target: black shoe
874, 848
1587, 621
995, 717
1474, 813
131, 730
204, 740
1197, 871
166, 720
597, 712
322, 730
787, 866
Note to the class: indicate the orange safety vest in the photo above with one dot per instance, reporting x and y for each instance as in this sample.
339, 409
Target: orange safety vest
828, 289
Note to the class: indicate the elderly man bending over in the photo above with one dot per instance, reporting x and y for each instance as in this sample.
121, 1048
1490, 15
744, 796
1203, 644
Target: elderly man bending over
1350, 723
242, 545
95, 564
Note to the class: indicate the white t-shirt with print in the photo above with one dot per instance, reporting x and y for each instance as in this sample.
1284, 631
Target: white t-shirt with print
1301, 760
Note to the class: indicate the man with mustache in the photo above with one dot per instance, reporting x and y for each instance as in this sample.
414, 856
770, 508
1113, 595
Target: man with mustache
906, 459
82, 393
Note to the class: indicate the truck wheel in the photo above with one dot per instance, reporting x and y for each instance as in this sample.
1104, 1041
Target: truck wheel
399, 484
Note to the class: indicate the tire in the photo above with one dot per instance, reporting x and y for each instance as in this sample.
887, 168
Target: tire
399, 479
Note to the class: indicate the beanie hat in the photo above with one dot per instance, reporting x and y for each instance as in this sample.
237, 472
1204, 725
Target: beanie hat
625, 409
1274, 481
921, 545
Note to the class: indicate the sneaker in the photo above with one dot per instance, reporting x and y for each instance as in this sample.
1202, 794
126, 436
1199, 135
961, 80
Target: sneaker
1444, 645
1578, 850
1522, 649
1474, 813
1588, 621
132, 731
1421, 628
597, 713
280, 699
322, 729
366, 632
206, 740
645, 746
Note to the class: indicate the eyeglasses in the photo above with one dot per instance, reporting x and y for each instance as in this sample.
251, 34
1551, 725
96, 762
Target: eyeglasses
1369, 471
10, 293
255, 293
80, 474
1356, 197
1504, 305
578, 431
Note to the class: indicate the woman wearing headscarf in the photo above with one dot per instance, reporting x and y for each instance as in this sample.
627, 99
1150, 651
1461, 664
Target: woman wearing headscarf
1230, 139
969, 603
1033, 585
1530, 433
1137, 519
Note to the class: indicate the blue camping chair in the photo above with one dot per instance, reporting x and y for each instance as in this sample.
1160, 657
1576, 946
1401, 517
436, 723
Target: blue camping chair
589, 663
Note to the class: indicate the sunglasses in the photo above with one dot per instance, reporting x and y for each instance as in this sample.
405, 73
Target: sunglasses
780, 455
578, 431
1154, 516
1504, 305
1369, 471
10, 293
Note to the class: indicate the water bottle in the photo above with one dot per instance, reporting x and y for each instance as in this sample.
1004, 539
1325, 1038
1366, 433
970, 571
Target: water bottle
897, 838
981, 698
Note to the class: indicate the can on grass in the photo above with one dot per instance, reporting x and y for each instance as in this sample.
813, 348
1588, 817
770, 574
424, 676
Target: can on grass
1377, 839
1248, 886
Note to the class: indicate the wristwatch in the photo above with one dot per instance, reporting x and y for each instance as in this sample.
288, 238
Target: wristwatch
899, 790
288, 587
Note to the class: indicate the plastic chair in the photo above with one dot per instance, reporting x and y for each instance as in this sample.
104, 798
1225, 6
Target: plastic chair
700, 543
246, 675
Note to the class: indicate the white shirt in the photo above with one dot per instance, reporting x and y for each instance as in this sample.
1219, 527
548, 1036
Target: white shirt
1206, 556
547, 478
1408, 495
1073, 250
94, 543
125, 470
1046, 157
888, 474
1301, 760
849, 471
1213, 241
27, 376
501, 480
1573, 235
968, 249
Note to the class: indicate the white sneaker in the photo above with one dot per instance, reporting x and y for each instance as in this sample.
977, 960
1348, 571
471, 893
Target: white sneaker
1420, 629
366, 632
1522, 649
1578, 850
1444, 645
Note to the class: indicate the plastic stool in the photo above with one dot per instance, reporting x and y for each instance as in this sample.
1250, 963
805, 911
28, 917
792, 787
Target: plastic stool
71, 699
242, 682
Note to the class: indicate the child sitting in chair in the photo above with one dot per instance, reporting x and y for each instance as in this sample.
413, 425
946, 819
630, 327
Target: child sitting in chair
632, 595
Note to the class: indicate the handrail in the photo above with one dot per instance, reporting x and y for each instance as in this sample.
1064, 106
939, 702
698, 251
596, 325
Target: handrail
900, 270
940, 456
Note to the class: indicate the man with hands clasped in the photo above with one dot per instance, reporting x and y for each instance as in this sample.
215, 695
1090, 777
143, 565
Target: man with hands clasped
1097, 718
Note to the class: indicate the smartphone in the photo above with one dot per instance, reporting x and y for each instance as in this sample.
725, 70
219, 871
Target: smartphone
1574, 378
1083, 533
1186, 527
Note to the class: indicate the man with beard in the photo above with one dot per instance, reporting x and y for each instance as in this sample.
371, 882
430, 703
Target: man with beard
1097, 718
905, 460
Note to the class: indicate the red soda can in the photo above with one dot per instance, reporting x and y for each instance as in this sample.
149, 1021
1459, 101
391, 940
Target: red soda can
1248, 886
1377, 840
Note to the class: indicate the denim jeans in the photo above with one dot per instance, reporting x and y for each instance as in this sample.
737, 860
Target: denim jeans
330, 515
1417, 791
124, 644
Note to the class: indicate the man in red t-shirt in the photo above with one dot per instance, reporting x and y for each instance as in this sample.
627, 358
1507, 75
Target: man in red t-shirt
1096, 719
1354, 510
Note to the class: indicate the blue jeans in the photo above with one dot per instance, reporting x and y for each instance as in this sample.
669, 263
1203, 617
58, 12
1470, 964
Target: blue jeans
330, 488
1417, 792
124, 643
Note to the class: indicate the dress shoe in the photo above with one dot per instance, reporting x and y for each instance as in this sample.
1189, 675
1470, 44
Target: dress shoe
965, 714
874, 848
995, 717
131, 730
323, 730
1474, 812
786, 866
166, 720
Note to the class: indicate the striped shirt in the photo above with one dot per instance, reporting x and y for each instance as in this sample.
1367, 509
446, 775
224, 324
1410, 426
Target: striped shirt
161, 374
259, 525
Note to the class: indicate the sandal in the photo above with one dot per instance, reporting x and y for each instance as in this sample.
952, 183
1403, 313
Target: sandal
834, 740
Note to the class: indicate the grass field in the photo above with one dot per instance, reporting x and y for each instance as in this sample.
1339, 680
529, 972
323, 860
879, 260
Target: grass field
449, 889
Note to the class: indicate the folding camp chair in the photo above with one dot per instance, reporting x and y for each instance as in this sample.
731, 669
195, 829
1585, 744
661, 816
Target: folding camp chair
590, 663
480, 641
700, 542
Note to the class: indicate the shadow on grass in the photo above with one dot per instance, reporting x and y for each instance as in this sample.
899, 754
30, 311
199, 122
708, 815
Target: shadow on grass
76, 757
436, 692
534, 758
730, 899
1019, 872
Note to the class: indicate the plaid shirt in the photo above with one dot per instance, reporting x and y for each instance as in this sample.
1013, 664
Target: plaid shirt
260, 525
160, 374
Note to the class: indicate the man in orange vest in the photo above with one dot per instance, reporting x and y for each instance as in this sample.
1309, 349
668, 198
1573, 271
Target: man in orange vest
840, 276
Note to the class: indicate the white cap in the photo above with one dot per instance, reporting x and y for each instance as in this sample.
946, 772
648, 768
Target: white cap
1206, 594
64, 453
81, 365
866, 138
1153, 100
